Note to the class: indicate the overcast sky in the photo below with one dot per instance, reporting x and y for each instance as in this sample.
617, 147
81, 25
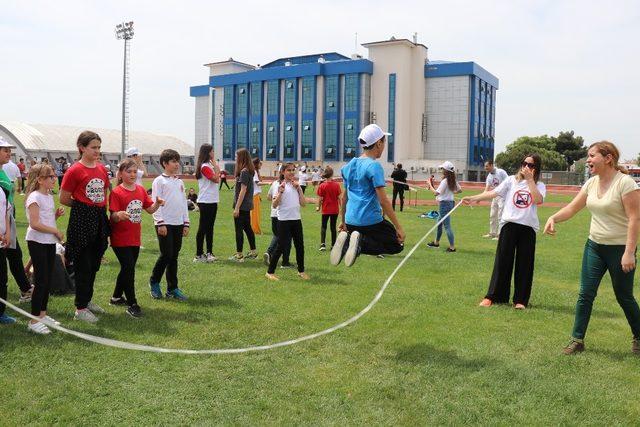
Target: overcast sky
562, 65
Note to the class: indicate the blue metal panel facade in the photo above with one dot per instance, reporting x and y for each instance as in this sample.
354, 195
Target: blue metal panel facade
195, 91
460, 69
481, 121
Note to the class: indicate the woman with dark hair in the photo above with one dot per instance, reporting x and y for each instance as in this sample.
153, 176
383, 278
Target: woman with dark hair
444, 195
242, 205
208, 175
613, 199
517, 240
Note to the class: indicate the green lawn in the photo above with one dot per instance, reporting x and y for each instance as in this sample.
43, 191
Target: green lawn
426, 354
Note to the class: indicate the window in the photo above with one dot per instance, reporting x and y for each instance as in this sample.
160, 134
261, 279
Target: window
392, 118
351, 89
290, 98
330, 139
307, 140
289, 140
331, 93
350, 139
273, 95
308, 95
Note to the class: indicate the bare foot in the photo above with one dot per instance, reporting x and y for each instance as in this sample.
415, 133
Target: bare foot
271, 277
486, 303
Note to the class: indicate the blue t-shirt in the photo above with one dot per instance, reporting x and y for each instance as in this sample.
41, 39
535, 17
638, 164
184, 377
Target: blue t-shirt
362, 176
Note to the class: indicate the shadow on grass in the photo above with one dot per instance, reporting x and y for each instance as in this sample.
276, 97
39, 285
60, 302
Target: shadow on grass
571, 310
617, 355
428, 355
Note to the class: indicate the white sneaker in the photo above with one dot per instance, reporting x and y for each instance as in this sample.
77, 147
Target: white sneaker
51, 320
336, 251
38, 328
85, 315
211, 258
354, 249
488, 236
95, 308
200, 258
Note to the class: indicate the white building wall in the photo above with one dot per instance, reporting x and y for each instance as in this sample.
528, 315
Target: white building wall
448, 119
203, 121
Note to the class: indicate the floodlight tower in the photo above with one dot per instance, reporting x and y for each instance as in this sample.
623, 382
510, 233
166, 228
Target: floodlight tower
124, 32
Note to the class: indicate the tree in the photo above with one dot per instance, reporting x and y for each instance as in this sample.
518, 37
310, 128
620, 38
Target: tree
570, 146
544, 145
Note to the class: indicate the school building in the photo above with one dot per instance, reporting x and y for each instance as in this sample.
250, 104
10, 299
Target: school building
310, 109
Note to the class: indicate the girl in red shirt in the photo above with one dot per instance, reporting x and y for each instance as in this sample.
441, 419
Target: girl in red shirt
126, 203
329, 201
84, 189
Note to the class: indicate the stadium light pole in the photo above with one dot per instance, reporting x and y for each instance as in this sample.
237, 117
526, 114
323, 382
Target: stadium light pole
124, 32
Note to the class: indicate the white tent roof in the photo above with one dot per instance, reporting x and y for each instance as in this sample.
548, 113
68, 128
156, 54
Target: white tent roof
58, 138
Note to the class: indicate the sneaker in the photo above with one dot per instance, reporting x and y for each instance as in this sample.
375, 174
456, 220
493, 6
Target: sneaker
211, 257
433, 245
51, 320
118, 301
495, 238
236, 258
573, 348
336, 252
156, 292
266, 258
38, 328
177, 294
380, 256
486, 302
200, 258
26, 296
95, 308
323, 247
134, 310
451, 250
287, 265
251, 255
354, 249
635, 346
85, 315
6, 320
488, 236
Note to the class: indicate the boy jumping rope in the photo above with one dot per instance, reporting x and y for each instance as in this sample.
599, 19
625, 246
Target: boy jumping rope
364, 203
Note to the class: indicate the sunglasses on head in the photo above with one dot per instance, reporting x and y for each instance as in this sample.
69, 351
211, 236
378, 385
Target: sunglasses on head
528, 165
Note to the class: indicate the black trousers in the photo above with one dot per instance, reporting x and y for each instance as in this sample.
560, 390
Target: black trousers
516, 242
333, 218
170, 246
224, 181
274, 242
304, 188
3, 279
86, 265
208, 212
288, 230
243, 224
14, 256
377, 239
126, 281
43, 257
397, 192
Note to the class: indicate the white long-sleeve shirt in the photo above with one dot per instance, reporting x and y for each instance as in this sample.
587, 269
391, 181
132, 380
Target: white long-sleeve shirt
171, 190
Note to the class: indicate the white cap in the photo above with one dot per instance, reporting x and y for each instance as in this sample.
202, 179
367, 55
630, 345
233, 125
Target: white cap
133, 151
4, 143
448, 166
371, 134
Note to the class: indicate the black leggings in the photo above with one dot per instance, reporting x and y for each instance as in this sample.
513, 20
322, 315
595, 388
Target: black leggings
243, 223
323, 229
14, 256
208, 213
224, 181
397, 192
126, 281
43, 257
288, 230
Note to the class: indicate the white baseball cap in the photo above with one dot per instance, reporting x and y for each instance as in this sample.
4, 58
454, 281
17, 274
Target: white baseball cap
5, 143
371, 134
448, 166
133, 151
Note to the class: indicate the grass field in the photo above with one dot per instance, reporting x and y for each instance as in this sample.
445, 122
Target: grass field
426, 354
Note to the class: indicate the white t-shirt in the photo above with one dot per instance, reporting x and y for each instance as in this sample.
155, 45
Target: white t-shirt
12, 171
209, 190
47, 217
496, 178
139, 175
444, 194
316, 176
302, 178
289, 207
519, 206
256, 185
273, 192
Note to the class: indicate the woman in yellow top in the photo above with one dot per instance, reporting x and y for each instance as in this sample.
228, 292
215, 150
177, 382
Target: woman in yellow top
613, 199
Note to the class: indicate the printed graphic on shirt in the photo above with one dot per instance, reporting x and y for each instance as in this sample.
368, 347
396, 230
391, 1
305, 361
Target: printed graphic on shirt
134, 209
494, 182
522, 199
95, 190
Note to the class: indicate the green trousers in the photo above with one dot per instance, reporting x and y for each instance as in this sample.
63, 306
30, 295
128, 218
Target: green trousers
597, 260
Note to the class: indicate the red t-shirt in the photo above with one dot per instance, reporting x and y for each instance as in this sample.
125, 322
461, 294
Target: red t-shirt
127, 232
87, 185
329, 191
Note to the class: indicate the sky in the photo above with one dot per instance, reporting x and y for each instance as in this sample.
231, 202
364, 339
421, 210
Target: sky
562, 65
